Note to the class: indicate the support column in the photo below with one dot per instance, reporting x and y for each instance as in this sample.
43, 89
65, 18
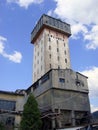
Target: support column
53, 121
73, 117
58, 119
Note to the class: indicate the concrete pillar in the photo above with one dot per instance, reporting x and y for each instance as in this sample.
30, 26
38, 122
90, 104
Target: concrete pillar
17, 121
73, 117
58, 119
53, 121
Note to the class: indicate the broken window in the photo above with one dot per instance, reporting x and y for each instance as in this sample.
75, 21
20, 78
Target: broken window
61, 80
78, 83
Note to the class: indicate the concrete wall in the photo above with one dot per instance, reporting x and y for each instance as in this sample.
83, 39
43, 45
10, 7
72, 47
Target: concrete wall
70, 100
38, 59
73, 80
45, 100
64, 91
14, 97
61, 99
51, 50
19, 99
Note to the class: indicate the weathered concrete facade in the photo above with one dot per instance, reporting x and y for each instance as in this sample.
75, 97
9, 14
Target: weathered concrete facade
11, 106
61, 93
51, 48
64, 92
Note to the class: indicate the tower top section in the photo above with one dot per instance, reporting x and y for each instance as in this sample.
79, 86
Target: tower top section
52, 23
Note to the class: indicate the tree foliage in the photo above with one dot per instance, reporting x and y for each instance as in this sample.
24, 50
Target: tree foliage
2, 126
31, 115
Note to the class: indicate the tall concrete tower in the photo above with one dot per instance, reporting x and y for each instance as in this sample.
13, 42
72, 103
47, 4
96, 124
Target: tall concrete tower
61, 93
51, 49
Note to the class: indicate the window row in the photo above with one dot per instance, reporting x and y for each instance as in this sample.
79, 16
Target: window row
43, 80
7, 105
58, 58
78, 82
38, 51
55, 36
57, 41
57, 49
50, 56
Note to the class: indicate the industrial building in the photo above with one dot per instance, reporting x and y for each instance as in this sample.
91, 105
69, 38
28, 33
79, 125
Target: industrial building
62, 93
11, 107
62, 96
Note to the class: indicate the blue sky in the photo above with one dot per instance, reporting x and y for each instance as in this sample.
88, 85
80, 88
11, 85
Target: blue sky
17, 19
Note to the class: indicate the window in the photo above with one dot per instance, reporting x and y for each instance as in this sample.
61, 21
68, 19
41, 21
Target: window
65, 60
57, 49
41, 58
7, 105
50, 56
49, 39
41, 49
58, 67
34, 74
45, 78
82, 84
36, 85
58, 58
49, 47
78, 83
41, 67
61, 80
38, 62
65, 52
57, 41
46, 21
38, 53
50, 66
35, 65
10, 121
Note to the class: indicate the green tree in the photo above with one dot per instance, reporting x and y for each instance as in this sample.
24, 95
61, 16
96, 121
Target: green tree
31, 115
2, 126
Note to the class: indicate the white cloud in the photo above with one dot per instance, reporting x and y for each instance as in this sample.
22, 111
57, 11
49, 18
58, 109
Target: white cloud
25, 3
92, 74
49, 12
82, 15
92, 37
84, 12
2, 40
78, 28
94, 108
16, 57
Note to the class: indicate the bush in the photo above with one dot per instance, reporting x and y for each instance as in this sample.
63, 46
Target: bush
31, 115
